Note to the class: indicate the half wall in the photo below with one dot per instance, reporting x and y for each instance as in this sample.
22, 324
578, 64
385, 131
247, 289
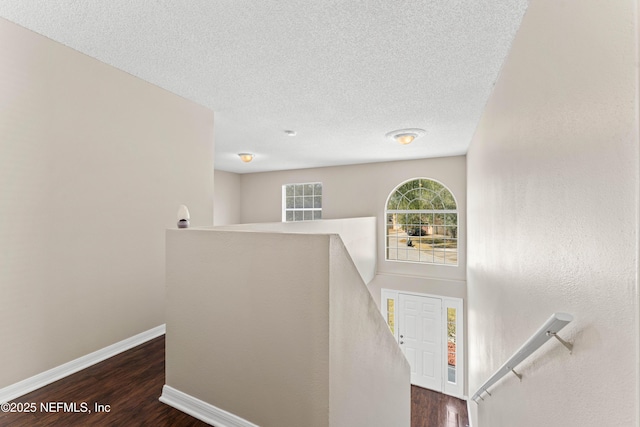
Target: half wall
279, 330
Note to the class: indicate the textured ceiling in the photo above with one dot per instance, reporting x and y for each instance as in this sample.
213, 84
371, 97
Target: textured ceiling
341, 73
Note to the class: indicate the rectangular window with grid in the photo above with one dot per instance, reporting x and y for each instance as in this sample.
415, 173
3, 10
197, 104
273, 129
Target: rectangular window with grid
302, 202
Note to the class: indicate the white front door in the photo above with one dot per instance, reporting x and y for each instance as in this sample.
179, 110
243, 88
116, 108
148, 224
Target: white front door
420, 337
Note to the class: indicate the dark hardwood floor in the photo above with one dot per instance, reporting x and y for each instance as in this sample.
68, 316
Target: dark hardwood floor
433, 409
131, 383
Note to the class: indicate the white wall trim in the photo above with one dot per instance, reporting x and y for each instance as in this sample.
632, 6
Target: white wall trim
35, 382
469, 417
201, 410
456, 390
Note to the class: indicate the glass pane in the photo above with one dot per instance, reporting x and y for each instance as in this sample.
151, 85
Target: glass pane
308, 215
317, 214
426, 254
413, 219
298, 216
391, 316
428, 218
438, 203
402, 220
442, 250
451, 219
451, 344
416, 204
290, 203
413, 249
308, 202
289, 190
451, 251
308, 189
394, 201
392, 230
451, 324
406, 241
448, 200
299, 202
289, 215
451, 374
317, 189
299, 189
317, 202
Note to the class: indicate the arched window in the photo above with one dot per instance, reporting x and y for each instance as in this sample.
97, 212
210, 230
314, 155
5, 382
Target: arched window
422, 223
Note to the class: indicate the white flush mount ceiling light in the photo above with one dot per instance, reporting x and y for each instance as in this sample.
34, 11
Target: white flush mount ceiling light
405, 136
246, 157
290, 132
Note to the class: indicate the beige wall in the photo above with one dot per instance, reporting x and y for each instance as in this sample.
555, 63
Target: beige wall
245, 334
93, 166
226, 200
553, 219
289, 308
357, 234
369, 376
358, 191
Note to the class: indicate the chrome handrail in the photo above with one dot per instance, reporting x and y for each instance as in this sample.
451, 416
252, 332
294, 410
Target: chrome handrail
549, 330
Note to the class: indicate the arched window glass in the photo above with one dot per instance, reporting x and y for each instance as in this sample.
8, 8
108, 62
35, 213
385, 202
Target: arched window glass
422, 223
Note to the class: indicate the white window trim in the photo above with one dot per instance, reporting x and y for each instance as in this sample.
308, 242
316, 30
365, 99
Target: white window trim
414, 211
284, 201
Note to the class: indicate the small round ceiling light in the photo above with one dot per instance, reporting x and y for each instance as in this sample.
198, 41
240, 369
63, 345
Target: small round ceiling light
246, 157
405, 136
290, 132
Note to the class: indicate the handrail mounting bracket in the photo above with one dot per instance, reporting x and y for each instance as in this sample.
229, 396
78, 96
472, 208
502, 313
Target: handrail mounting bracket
568, 345
516, 374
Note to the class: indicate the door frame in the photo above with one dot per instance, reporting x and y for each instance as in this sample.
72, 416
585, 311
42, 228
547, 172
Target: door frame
391, 316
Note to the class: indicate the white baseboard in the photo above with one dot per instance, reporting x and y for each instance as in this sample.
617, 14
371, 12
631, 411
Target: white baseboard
201, 410
45, 378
